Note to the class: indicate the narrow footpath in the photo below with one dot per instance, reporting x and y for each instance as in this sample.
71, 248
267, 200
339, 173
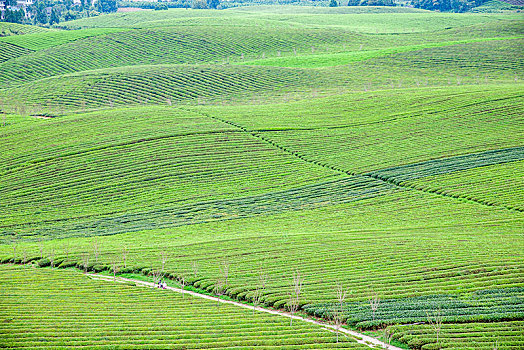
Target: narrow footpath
360, 338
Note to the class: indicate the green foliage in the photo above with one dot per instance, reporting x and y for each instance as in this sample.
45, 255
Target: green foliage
333, 3
161, 47
44, 262
106, 6
40, 16
14, 16
161, 7
449, 165
54, 19
66, 264
447, 5
159, 84
342, 58
213, 4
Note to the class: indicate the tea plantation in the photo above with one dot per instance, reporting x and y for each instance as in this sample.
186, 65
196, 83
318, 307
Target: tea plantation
47, 309
375, 152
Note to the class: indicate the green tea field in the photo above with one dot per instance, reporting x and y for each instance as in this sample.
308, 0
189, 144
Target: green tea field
361, 167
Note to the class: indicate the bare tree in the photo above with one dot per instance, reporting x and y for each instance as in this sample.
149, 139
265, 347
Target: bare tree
219, 289
257, 296
96, 250
85, 261
258, 293
157, 275
339, 308
52, 257
224, 270
125, 251
262, 278
24, 257
163, 259
66, 250
387, 337
374, 302
294, 295
114, 266
195, 269
435, 321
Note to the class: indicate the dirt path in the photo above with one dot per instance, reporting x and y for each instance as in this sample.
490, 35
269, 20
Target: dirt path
360, 338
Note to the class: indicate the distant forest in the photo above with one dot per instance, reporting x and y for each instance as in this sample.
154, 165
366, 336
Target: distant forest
49, 12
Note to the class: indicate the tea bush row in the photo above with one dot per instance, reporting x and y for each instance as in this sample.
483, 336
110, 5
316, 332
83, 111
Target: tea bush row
403, 253
159, 46
50, 309
47, 39
158, 84
504, 335
493, 185
8, 51
487, 306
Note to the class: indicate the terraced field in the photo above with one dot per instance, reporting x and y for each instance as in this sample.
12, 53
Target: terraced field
167, 45
151, 84
65, 309
190, 165
375, 149
44, 40
507, 335
479, 306
499, 184
8, 51
447, 253
384, 126
7, 29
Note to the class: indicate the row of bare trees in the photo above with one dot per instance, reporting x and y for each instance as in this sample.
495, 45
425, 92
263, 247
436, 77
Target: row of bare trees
294, 294
222, 280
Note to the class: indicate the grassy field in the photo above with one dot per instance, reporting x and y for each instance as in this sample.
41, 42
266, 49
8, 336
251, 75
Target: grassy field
378, 149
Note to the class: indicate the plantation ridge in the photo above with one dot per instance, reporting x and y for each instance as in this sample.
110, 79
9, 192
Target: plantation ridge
262, 176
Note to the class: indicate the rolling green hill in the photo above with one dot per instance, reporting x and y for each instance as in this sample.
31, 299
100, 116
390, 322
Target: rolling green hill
7, 29
377, 149
44, 40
